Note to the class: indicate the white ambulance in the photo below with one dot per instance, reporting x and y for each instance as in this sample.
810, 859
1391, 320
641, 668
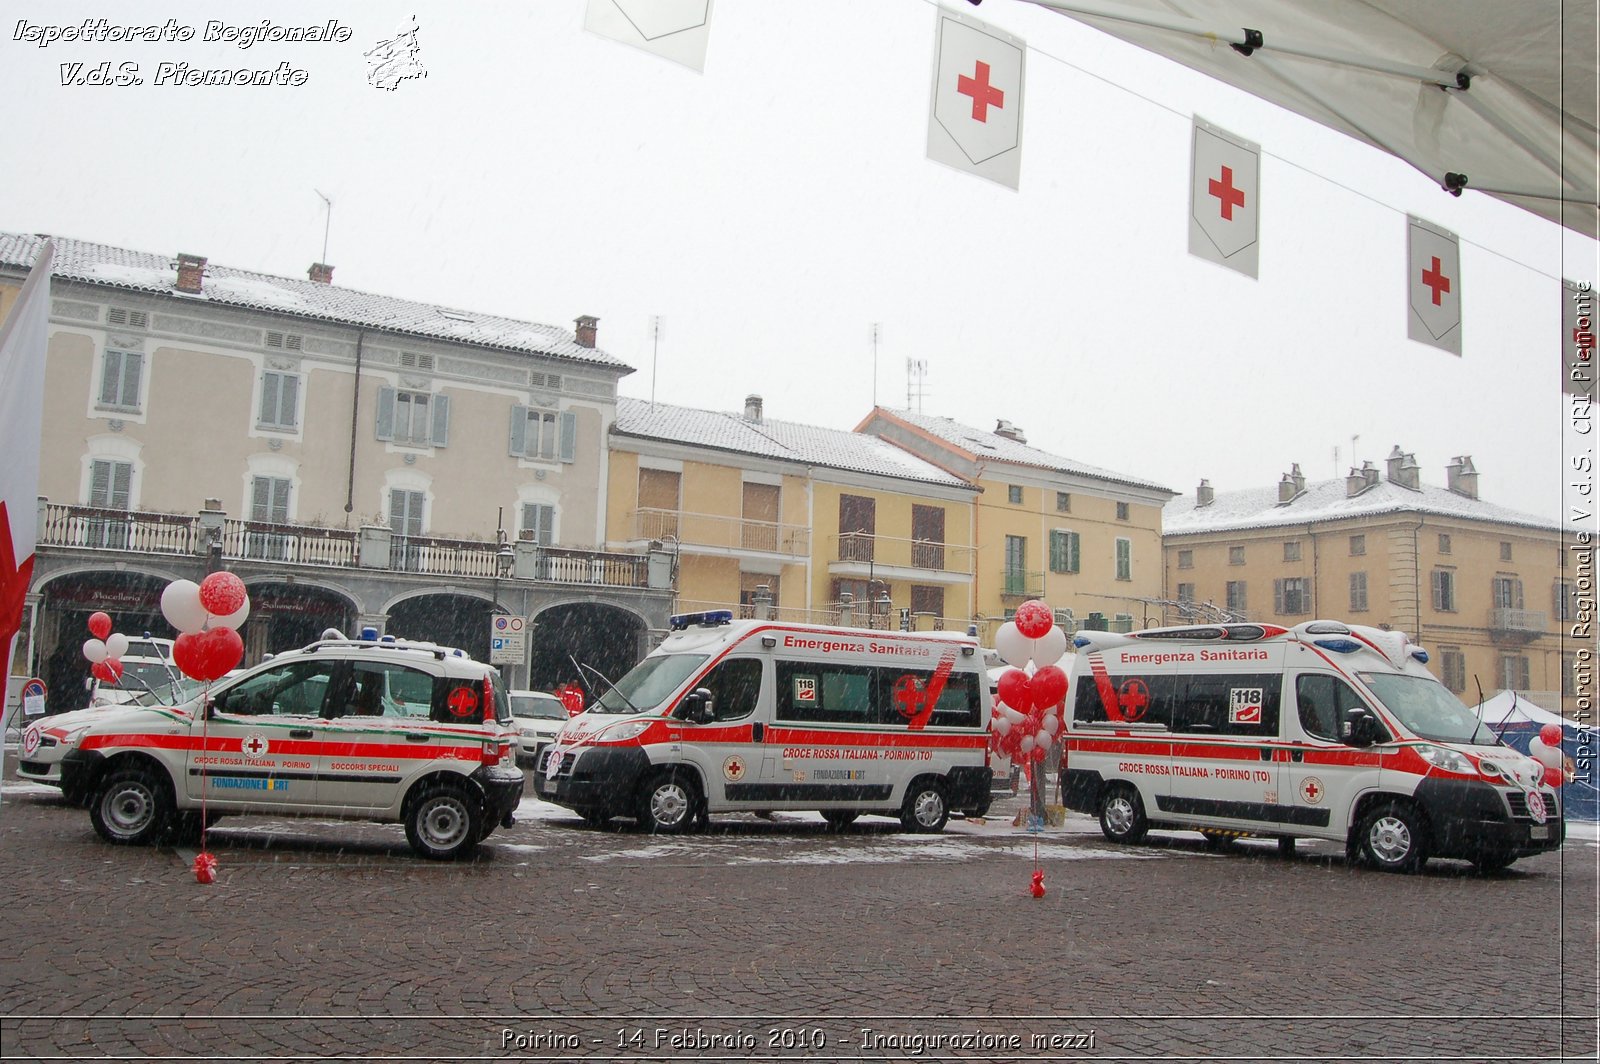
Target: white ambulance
1324, 730
759, 716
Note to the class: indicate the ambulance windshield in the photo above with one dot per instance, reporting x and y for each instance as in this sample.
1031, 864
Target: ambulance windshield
649, 684
1428, 710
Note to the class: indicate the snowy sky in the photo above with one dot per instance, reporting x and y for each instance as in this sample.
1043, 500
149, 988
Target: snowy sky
772, 208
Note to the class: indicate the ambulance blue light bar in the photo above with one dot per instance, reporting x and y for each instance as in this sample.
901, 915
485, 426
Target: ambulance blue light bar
707, 619
1338, 646
1420, 654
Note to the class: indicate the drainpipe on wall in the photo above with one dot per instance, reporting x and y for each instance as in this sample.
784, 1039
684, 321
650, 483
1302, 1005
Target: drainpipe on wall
355, 409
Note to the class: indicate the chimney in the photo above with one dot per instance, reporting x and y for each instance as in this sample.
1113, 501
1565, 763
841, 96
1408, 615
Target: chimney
584, 327
1403, 470
752, 409
1461, 478
1205, 494
1361, 479
1392, 464
1292, 486
1009, 431
191, 271
321, 273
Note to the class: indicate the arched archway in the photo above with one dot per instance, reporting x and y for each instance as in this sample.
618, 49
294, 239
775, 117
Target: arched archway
285, 616
450, 619
132, 599
604, 637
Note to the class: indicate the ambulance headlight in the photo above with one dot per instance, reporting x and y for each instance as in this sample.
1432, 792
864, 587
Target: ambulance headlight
1449, 760
75, 733
624, 732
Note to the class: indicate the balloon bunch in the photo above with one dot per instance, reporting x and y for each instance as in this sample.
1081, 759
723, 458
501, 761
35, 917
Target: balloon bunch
1545, 748
1029, 715
207, 615
105, 650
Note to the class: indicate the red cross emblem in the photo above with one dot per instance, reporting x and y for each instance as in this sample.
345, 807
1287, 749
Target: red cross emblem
733, 769
1231, 197
1133, 698
983, 94
255, 746
1311, 790
1435, 279
463, 702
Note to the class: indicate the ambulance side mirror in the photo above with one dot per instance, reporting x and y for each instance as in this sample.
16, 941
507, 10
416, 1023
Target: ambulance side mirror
1360, 728
696, 707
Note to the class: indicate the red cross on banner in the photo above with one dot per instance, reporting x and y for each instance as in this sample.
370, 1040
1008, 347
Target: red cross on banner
975, 111
1224, 200
1433, 286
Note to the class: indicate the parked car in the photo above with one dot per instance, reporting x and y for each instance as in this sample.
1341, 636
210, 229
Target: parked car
412, 733
539, 718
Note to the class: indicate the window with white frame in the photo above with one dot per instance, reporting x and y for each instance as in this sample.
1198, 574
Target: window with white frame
413, 417
406, 509
269, 505
280, 400
119, 379
1513, 672
110, 488
544, 435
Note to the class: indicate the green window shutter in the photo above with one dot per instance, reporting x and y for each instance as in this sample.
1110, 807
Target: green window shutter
1277, 597
385, 413
569, 437
441, 420
519, 431
1073, 563
1058, 552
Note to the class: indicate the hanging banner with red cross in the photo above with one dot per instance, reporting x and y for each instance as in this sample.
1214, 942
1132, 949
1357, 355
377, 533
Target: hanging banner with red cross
1224, 204
1433, 285
673, 29
975, 110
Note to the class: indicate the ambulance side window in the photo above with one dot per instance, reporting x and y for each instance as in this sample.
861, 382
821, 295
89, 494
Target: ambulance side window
735, 687
1143, 699
1324, 700
835, 694
1238, 704
957, 705
298, 689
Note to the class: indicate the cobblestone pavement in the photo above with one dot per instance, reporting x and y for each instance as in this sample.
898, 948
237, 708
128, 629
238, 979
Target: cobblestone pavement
325, 940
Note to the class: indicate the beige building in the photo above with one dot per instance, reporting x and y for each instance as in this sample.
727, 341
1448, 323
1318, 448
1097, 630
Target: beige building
1479, 586
1085, 540
360, 460
800, 522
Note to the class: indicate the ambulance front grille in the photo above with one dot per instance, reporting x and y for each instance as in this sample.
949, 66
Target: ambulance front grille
1519, 805
566, 763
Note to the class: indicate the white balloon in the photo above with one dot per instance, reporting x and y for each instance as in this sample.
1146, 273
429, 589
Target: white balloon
1548, 756
1001, 724
1051, 724
180, 605
1050, 647
1027, 743
232, 620
1013, 647
116, 645
94, 650
1012, 716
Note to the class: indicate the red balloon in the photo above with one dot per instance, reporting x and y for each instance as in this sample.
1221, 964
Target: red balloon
1036, 888
208, 655
1033, 619
107, 671
1039, 753
1550, 735
1049, 686
99, 624
1553, 777
1016, 691
205, 867
222, 594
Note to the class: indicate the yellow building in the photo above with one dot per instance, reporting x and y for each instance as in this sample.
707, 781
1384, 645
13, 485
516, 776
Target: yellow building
1479, 586
801, 522
1083, 539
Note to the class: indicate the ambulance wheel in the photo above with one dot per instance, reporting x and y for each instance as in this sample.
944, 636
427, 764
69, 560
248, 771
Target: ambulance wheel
1393, 838
839, 819
1122, 815
1494, 862
925, 809
444, 823
132, 807
669, 804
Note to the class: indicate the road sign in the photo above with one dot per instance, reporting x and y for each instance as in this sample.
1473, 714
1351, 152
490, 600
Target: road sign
33, 698
508, 639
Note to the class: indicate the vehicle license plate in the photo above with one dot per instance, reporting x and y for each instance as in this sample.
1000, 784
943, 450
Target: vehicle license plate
1541, 831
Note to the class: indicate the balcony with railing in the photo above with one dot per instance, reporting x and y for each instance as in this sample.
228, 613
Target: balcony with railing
732, 535
1516, 625
136, 532
1021, 583
891, 553
856, 614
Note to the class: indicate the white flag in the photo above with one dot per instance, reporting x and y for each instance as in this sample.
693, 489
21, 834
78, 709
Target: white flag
1433, 285
975, 109
23, 338
1224, 201
674, 29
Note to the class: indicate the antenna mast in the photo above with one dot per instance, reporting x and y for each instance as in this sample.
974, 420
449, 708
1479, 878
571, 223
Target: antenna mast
875, 333
916, 375
326, 224
655, 350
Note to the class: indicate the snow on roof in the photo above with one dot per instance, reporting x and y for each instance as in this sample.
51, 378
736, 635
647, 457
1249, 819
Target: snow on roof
993, 447
780, 440
1327, 500
101, 264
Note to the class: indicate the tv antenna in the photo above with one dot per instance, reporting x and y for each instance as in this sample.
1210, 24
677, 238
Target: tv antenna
916, 387
655, 350
875, 334
326, 223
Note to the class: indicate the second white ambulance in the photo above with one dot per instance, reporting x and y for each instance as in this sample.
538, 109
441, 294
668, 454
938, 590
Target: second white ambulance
1324, 730
759, 716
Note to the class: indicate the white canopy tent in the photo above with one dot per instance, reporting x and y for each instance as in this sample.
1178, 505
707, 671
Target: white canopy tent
1508, 707
1496, 96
